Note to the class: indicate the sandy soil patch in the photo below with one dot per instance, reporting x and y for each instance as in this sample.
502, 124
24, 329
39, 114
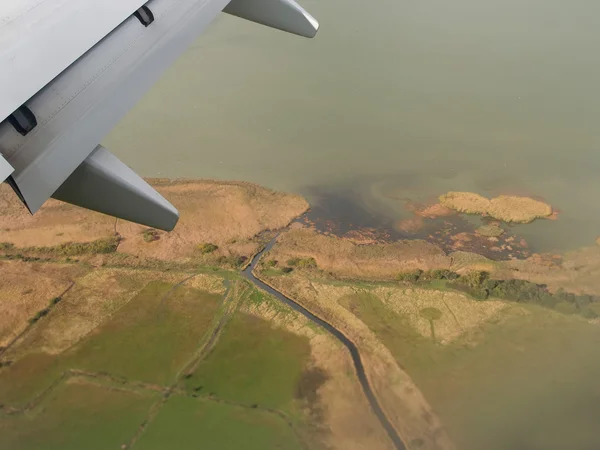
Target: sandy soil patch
348, 422
399, 397
25, 289
507, 208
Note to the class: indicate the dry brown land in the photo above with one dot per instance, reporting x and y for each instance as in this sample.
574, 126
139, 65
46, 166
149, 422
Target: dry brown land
26, 288
343, 259
346, 259
227, 214
55, 223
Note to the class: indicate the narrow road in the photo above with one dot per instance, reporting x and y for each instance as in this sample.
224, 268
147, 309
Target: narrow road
358, 365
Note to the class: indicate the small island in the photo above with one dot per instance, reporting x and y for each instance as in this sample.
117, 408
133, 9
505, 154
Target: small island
507, 208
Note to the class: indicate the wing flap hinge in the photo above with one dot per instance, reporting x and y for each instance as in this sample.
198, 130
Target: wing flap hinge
144, 15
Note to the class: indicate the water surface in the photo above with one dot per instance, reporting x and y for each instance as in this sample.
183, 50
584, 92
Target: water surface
391, 99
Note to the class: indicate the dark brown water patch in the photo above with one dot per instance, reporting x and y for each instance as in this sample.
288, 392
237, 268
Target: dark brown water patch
338, 214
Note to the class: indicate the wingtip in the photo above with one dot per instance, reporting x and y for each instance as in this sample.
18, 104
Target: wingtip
315, 24
285, 15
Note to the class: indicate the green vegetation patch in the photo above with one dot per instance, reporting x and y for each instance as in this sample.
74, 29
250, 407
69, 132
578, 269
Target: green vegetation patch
525, 379
77, 416
106, 245
207, 248
6, 246
419, 275
234, 261
44, 312
253, 363
150, 339
187, 423
150, 235
479, 285
302, 263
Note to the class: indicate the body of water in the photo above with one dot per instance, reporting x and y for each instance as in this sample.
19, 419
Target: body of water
391, 100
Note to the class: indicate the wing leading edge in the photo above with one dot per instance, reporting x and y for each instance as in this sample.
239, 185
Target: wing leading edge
58, 155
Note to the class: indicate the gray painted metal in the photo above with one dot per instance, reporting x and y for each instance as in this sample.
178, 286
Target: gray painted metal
88, 63
77, 109
284, 15
41, 38
103, 183
5, 169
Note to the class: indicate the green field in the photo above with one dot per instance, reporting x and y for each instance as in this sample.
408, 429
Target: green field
526, 380
150, 339
253, 363
77, 416
188, 423
252, 367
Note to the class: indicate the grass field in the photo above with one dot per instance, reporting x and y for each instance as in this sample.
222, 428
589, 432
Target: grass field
149, 339
77, 416
254, 363
527, 379
186, 423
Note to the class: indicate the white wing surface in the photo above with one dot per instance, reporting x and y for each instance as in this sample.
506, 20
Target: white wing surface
71, 69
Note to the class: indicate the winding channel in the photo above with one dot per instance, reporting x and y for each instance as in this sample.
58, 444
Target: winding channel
356, 359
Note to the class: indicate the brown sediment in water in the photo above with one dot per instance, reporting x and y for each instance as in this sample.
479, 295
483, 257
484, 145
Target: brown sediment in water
490, 230
411, 225
504, 207
434, 211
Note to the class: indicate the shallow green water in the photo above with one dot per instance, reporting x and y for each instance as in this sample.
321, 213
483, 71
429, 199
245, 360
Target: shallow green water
423, 97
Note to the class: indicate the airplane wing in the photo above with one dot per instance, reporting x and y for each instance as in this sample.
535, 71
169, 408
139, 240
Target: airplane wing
71, 69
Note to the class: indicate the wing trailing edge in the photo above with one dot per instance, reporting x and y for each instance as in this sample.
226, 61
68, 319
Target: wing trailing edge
285, 15
104, 184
